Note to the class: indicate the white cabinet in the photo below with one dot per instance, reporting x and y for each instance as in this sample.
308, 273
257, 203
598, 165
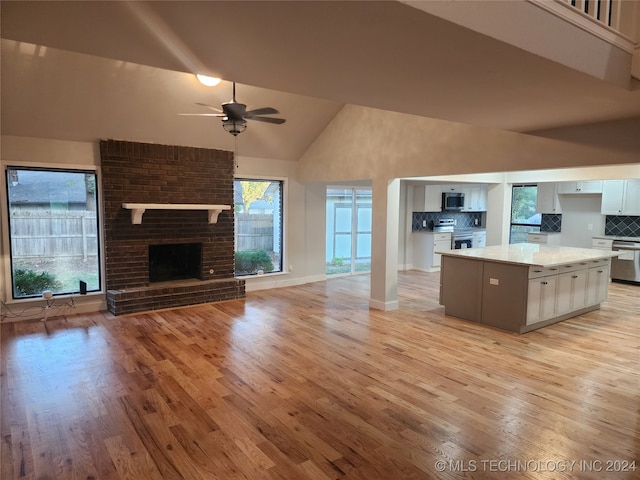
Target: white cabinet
547, 200
544, 238
541, 297
433, 198
475, 198
598, 282
479, 239
571, 291
441, 242
425, 246
566, 289
602, 243
589, 186
620, 197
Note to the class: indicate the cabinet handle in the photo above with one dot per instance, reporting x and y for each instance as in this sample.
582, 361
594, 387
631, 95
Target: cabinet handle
544, 283
552, 269
574, 276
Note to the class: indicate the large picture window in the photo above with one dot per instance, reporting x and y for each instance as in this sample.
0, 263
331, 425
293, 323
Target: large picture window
258, 226
53, 229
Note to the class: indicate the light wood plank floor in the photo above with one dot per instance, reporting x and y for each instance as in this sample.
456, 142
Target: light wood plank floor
308, 383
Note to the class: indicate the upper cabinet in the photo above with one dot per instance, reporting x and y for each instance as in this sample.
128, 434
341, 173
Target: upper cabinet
547, 200
590, 186
433, 198
475, 198
620, 197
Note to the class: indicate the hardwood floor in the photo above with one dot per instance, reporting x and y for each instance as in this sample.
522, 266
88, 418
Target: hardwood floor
308, 383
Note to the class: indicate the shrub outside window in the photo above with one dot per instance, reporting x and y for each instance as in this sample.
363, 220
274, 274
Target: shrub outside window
53, 230
258, 226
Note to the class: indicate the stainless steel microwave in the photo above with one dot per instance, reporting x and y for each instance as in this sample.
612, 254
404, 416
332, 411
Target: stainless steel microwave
452, 201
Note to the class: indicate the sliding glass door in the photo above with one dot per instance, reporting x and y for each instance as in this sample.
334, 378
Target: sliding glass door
348, 230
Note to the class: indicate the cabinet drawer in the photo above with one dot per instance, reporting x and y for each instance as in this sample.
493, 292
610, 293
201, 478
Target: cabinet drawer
534, 238
572, 267
442, 237
602, 244
599, 263
535, 272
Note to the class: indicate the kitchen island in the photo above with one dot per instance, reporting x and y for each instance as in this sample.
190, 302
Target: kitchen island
525, 286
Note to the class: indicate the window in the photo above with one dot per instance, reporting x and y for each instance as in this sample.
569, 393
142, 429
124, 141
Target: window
53, 229
259, 232
524, 218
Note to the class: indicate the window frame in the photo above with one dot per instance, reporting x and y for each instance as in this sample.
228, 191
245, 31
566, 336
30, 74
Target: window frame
521, 224
7, 290
284, 181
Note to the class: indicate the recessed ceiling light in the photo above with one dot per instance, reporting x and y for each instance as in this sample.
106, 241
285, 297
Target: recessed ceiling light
208, 81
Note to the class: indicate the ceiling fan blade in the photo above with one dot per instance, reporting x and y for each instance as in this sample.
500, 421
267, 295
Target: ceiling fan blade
261, 111
277, 121
209, 106
202, 114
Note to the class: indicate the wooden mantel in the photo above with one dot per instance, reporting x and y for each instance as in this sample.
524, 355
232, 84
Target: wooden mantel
138, 209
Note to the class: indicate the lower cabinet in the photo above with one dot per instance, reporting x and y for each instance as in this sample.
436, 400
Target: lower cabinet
521, 298
425, 246
553, 292
541, 299
572, 291
598, 282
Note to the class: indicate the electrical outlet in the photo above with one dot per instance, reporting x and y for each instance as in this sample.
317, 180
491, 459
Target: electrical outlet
590, 226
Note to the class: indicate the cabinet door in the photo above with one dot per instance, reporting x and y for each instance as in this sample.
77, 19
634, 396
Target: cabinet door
541, 301
433, 198
439, 246
479, 240
590, 186
612, 197
547, 199
568, 187
631, 202
571, 291
597, 285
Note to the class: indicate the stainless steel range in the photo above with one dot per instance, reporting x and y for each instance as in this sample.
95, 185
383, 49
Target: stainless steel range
460, 238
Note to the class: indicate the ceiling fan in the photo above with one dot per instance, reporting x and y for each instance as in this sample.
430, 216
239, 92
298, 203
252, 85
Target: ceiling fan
234, 115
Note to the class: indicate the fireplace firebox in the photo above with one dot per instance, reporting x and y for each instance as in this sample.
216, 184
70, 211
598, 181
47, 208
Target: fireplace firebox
174, 262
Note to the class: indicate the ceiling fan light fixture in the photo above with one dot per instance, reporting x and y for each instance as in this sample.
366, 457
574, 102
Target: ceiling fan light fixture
234, 127
208, 81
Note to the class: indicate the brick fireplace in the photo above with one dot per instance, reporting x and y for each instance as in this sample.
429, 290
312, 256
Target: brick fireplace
192, 259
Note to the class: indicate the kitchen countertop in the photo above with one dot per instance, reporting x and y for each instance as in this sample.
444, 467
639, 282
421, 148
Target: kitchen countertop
531, 254
615, 237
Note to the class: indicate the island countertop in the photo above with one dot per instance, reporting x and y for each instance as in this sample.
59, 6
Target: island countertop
531, 254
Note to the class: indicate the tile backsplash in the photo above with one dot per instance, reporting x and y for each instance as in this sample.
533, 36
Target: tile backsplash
551, 222
463, 219
622, 226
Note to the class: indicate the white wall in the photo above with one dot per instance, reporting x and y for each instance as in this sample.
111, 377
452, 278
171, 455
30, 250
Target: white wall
578, 213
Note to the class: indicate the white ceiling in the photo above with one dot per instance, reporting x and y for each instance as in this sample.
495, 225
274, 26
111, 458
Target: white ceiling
118, 70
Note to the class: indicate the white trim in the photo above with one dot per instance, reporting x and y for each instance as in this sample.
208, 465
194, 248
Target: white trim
254, 284
138, 209
570, 14
384, 306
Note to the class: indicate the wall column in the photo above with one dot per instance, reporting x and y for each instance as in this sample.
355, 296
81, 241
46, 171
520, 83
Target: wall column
498, 214
384, 244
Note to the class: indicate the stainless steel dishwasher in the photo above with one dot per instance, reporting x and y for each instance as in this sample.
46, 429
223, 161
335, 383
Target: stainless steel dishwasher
626, 266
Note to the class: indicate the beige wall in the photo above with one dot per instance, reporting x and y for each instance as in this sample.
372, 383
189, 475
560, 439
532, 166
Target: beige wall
367, 143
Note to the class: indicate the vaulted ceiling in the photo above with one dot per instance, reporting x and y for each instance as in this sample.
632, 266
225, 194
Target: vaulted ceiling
88, 70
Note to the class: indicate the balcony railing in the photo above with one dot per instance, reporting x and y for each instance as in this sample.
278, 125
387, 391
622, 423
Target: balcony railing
606, 12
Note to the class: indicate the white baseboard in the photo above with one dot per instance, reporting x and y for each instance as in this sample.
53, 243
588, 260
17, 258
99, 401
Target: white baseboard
384, 306
255, 284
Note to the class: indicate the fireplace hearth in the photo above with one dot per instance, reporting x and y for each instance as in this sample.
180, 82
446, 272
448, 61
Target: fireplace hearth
174, 262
